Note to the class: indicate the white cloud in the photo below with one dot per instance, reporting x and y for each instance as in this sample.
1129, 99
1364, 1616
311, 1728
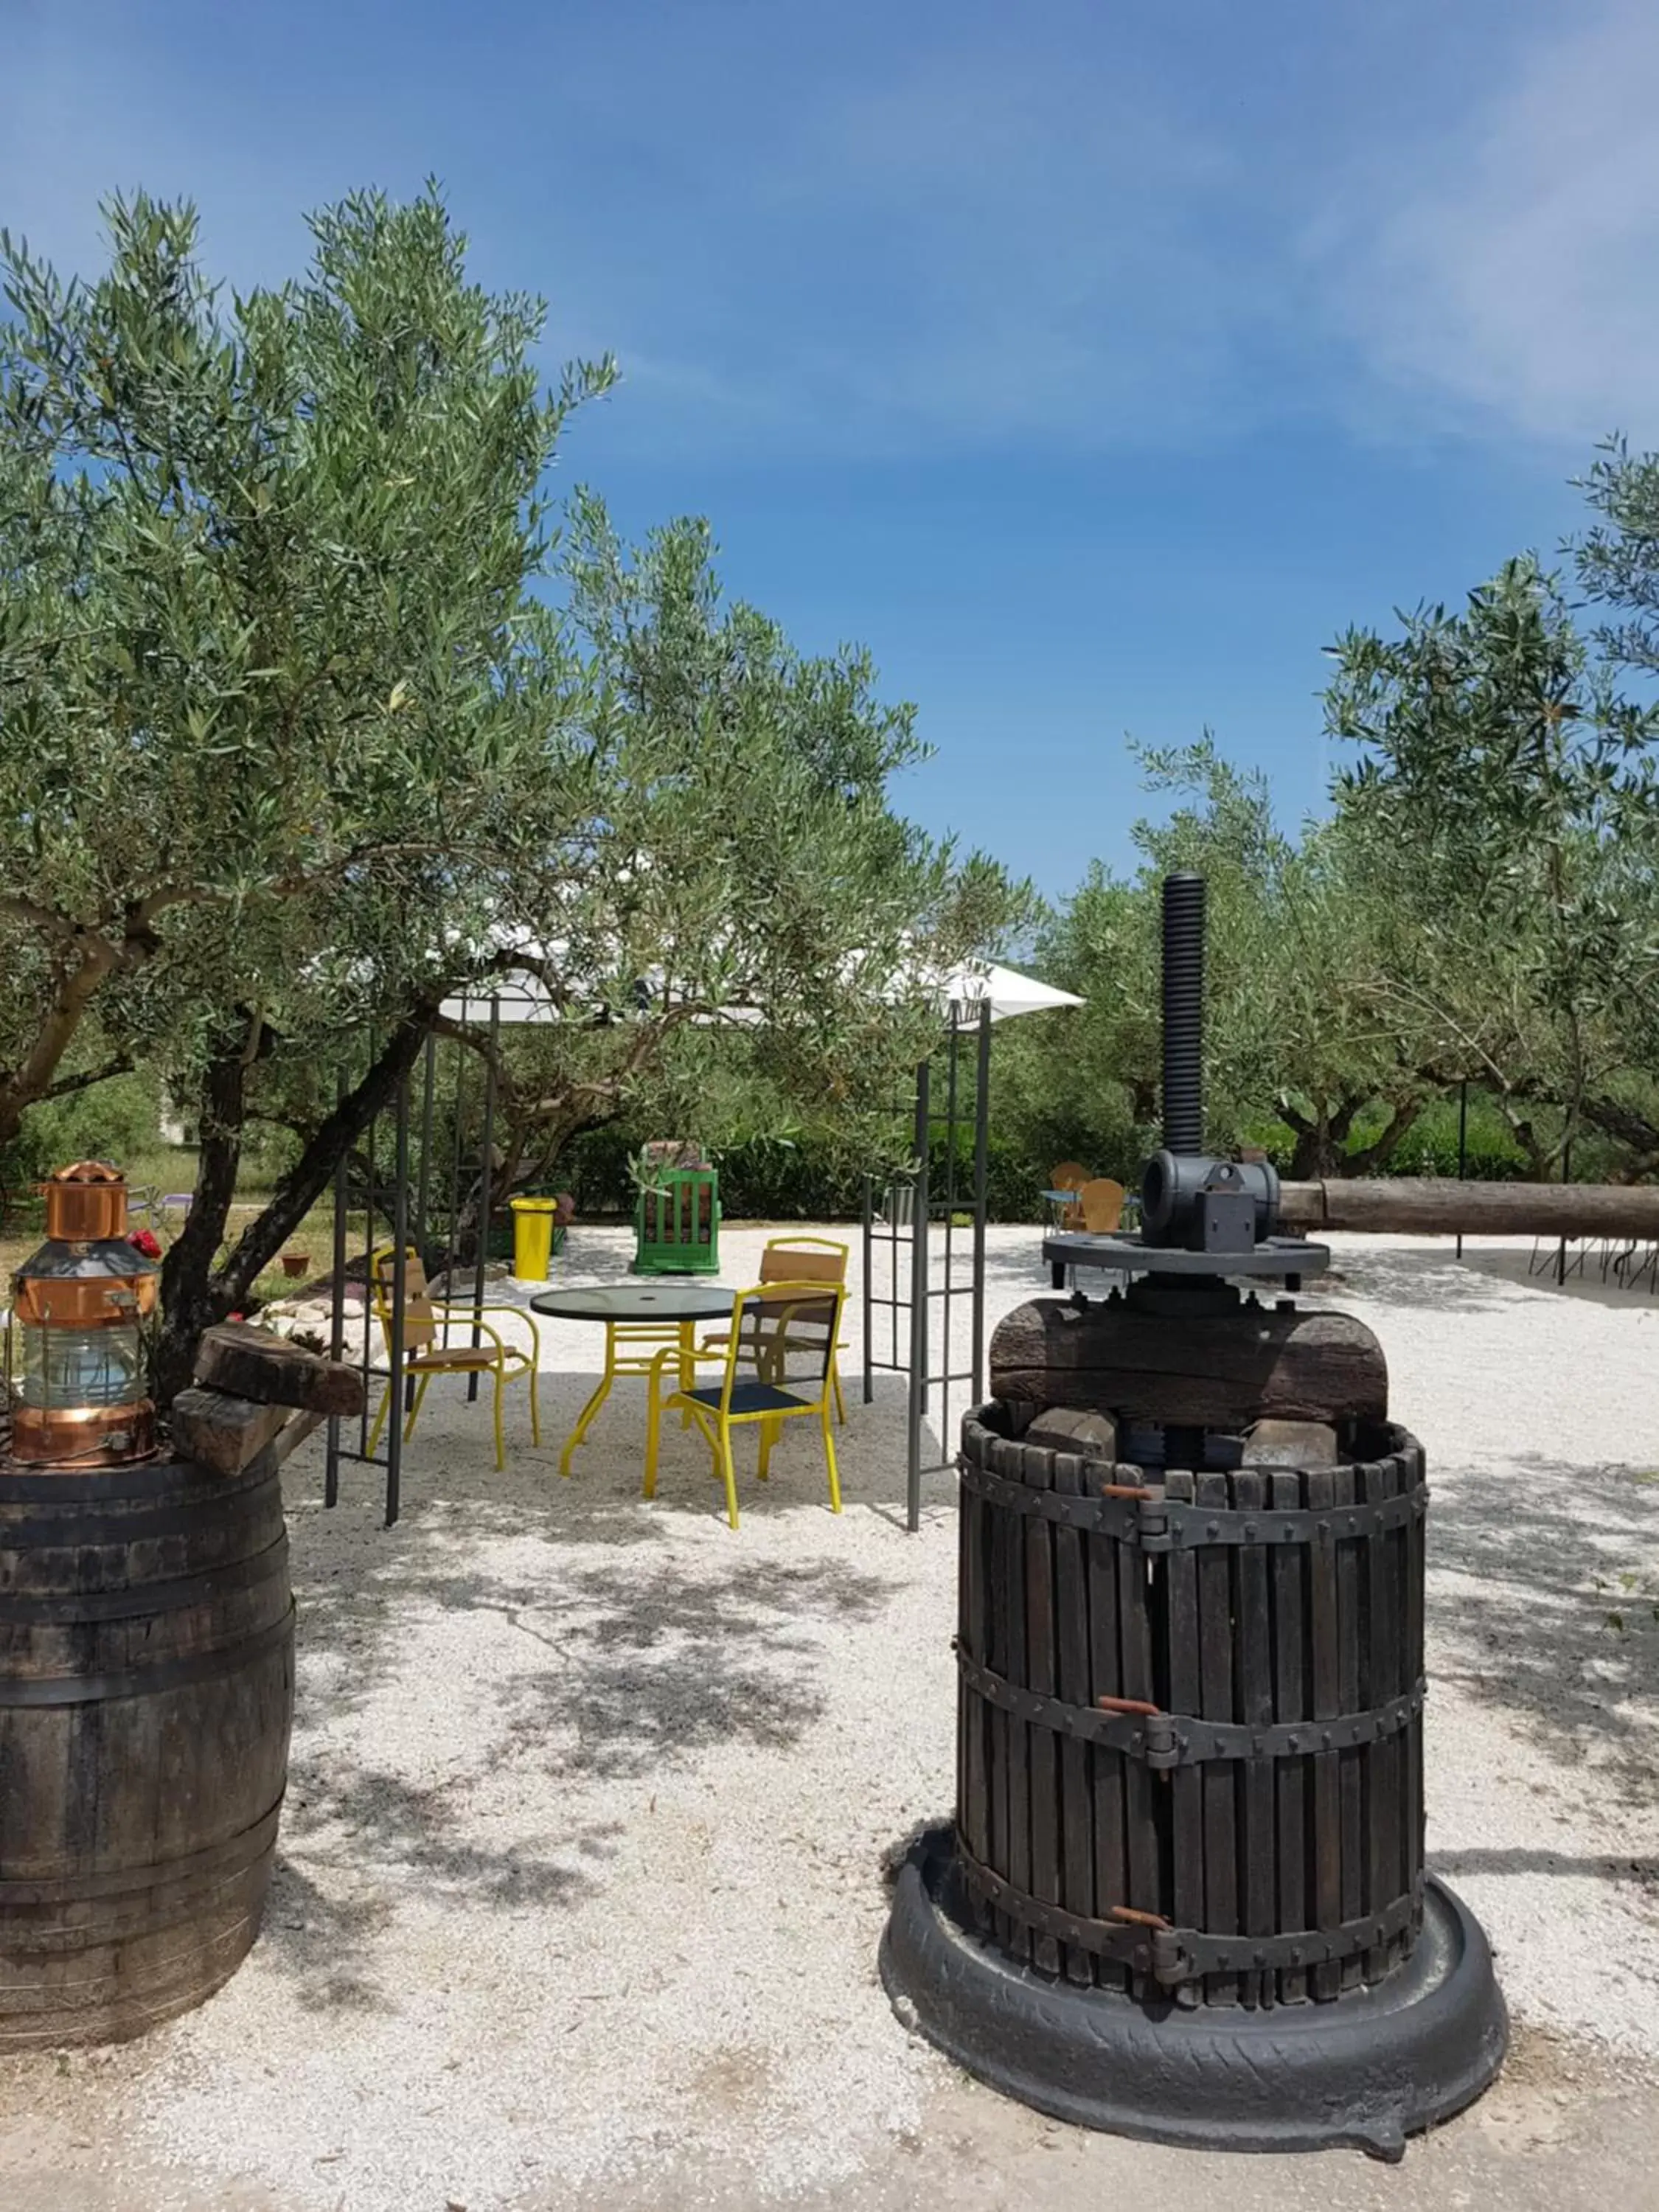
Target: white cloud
1515, 277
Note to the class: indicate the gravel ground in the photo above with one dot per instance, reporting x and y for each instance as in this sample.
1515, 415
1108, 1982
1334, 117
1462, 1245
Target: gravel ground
580, 1880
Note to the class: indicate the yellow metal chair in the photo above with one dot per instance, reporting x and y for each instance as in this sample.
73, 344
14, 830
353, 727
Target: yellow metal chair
1102, 1202
427, 1350
1070, 1175
784, 1335
803, 1260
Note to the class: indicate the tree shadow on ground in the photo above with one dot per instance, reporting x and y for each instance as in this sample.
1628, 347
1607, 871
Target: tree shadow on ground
641, 1654
1550, 1617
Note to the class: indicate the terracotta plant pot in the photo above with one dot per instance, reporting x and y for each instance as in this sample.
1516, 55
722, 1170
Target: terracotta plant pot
296, 1263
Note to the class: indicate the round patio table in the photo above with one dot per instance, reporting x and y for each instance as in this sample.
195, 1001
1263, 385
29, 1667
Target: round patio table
640, 1319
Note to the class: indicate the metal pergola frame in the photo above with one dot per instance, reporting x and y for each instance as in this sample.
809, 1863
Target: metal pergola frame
920, 1313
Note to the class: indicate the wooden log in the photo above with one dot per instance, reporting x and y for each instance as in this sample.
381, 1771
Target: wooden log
1227, 1372
255, 1363
1438, 1205
223, 1432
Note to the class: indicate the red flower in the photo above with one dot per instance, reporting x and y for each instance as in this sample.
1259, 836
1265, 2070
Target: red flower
146, 1241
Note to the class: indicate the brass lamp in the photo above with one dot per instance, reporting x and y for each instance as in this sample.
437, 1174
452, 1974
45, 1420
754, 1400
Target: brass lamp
81, 1308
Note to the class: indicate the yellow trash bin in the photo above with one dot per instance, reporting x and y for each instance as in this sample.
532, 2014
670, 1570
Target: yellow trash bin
532, 1236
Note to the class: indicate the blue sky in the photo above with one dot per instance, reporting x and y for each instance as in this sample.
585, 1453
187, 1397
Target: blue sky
1095, 364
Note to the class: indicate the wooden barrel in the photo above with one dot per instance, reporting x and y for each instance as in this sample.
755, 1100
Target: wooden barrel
1190, 1726
146, 1697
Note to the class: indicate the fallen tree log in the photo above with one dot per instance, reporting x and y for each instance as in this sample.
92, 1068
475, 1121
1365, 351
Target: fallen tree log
1439, 1206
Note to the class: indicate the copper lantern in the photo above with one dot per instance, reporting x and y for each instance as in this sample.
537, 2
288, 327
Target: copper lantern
81, 1310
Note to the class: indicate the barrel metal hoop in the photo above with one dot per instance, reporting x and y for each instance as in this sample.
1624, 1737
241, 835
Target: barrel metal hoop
144, 1681
1168, 1740
135, 1601
1173, 1955
241, 1849
1156, 1523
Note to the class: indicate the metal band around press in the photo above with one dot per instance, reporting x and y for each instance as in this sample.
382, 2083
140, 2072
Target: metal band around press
1157, 1523
1173, 1955
1170, 1740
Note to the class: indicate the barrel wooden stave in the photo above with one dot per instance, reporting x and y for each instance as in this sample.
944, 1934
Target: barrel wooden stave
1305, 1840
146, 1698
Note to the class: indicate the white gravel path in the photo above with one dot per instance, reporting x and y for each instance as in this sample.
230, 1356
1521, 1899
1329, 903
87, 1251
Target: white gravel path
581, 1867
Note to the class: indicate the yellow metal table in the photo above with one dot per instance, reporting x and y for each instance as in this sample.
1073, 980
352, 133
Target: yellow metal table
641, 1318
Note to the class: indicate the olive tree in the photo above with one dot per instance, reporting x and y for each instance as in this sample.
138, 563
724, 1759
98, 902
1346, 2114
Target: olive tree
278, 713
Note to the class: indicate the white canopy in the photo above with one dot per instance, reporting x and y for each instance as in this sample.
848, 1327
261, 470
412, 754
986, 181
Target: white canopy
1010, 992
523, 997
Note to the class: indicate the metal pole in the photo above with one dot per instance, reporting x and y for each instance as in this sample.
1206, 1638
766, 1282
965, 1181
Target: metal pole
337, 1309
394, 1434
981, 1187
426, 1145
451, 1238
1462, 1143
1561, 1251
918, 1310
869, 1306
486, 1166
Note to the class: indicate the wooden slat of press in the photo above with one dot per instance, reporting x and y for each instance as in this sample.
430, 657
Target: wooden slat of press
1019, 1733
1353, 1609
1381, 1672
1215, 1660
1072, 1639
1290, 1703
1139, 1814
1185, 1783
998, 1524
1106, 1766
1326, 1687
1254, 1646
1041, 1675
1412, 1793
975, 1777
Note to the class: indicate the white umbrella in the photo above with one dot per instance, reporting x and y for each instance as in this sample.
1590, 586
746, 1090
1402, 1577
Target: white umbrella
1009, 993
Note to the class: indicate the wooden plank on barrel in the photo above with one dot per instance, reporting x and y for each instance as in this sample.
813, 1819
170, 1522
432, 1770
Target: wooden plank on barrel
1215, 1662
1326, 1687
1186, 1783
1105, 1764
1290, 1630
1227, 1372
1071, 1638
256, 1362
1352, 1597
1254, 1645
223, 1432
1041, 1673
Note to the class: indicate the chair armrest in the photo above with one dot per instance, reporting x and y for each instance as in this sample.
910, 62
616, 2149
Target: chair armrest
450, 1309
469, 1317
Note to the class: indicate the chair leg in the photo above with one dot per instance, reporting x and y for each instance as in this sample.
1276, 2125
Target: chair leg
840, 1402
380, 1420
829, 1455
769, 1431
500, 1439
728, 1474
415, 1410
535, 1410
